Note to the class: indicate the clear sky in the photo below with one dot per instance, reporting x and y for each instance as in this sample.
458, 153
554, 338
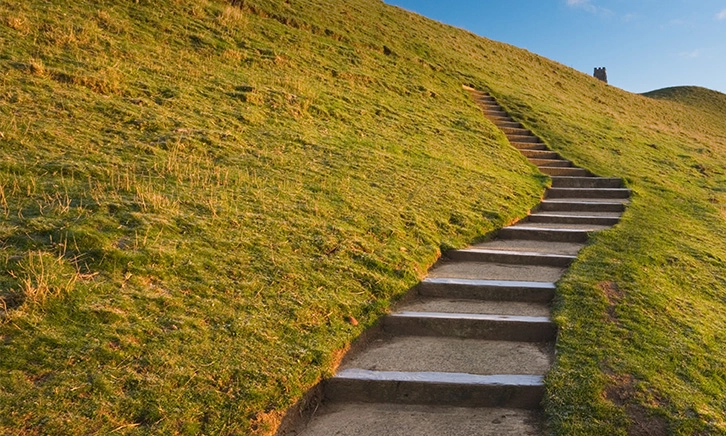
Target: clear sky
644, 44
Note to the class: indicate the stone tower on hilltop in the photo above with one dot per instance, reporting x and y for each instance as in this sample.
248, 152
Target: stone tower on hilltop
601, 74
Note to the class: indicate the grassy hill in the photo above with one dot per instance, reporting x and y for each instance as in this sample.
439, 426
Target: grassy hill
707, 100
203, 202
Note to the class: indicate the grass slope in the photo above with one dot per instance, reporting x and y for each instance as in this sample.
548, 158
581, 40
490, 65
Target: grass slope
709, 101
204, 202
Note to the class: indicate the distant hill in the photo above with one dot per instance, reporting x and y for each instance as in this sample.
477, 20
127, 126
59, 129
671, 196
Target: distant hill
703, 98
203, 202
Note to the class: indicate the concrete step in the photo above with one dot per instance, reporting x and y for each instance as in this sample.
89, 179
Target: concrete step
471, 325
433, 388
496, 271
510, 257
372, 419
594, 213
512, 124
587, 193
446, 354
559, 226
524, 138
573, 219
544, 234
492, 290
562, 171
550, 163
499, 118
528, 145
566, 248
460, 305
585, 182
540, 154
581, 205
516, 131
498, 115
484, 98
494, 112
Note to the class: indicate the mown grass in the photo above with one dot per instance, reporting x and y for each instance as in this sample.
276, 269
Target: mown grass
204, 202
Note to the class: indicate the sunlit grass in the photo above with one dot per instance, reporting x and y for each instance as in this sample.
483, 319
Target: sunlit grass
203, 195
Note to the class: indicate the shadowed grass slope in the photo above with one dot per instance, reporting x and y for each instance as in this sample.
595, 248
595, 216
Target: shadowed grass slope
204, 202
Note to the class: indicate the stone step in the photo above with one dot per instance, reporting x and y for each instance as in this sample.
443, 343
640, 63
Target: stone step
567, 248
517, 131
510, 257
581, 205
528, 145
496, 271
563, 171
495, 112
447, 354
585, 182
559, 226
471, 325
524, 138
513, 124
492, 290
540, 154
433, 388
595, 213
460, 305
498, 115
573, 219
499, 118
376, 419
544, 234
587, 193
550, 163
484, 98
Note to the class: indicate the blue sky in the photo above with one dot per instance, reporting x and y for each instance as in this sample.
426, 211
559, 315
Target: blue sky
644, 44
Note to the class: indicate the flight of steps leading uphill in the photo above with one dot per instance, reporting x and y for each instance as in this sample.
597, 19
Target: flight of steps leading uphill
467, 354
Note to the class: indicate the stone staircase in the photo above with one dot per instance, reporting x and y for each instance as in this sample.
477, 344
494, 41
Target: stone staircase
467, 353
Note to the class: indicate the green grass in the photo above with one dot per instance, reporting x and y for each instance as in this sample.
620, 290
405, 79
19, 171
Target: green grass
204, 202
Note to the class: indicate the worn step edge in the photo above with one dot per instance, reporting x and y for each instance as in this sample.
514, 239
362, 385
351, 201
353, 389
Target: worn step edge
451, 389
539, 154
518, 131
493, 290
529, 145
580, 206
513, 124
587, 193
524, 138
586, 182
550, 163
471, 325
540, 234
511, 257
499, 117
572, 219
565, 171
